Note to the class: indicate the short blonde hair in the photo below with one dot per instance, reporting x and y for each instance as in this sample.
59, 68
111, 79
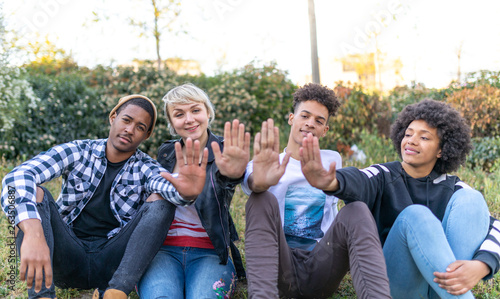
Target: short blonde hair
185, 94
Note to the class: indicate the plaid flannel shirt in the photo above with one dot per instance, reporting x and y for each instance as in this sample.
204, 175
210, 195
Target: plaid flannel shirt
82, 164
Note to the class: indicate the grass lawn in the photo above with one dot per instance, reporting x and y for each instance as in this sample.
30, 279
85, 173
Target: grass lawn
11, 287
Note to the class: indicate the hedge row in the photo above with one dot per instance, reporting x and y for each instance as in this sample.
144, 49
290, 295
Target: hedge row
73, 103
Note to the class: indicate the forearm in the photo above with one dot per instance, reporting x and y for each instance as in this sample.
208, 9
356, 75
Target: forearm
32, 228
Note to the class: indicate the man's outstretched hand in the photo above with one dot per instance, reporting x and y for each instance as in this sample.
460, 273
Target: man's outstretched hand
267, 169
192, 172
312, 168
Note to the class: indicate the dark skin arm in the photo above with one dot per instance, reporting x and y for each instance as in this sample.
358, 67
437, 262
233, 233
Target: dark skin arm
35, 253
461, 276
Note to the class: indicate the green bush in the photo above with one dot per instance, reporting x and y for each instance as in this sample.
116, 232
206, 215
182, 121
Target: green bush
377, 149
252, 94
483, 77
17, 97
68, 109
358, 111
485, 154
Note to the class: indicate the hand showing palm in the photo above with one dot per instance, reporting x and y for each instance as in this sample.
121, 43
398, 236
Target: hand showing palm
191, 176
267, 169
233, 161
312, 167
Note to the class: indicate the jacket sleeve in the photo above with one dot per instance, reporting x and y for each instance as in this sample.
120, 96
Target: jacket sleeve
360, 184
489, 251
19, 185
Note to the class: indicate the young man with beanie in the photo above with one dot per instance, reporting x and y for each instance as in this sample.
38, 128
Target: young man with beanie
102, 232
297, 244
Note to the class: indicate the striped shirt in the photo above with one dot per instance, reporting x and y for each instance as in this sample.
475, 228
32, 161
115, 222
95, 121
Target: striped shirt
187, 231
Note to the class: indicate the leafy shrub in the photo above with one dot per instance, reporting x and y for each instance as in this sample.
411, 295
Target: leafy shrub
480, 107
358, 111
68, 109
485, 153
253, 94
402, 96
17, 97
483, 77
377, 149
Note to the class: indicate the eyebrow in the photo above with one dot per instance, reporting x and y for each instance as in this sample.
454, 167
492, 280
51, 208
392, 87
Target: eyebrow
308, 112
140, 123
192, 106
424, 131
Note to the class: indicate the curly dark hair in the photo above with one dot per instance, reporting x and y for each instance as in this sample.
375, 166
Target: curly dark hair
453, 132
318, 93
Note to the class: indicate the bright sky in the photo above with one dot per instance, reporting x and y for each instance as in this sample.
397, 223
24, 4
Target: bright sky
227, 34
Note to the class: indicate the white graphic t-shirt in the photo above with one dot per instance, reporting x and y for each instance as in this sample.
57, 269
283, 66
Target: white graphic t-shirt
306, 212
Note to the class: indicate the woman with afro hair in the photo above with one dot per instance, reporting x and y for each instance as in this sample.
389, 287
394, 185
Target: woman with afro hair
438, 238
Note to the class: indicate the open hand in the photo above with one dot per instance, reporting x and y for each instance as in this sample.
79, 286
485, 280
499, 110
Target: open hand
192, 172
233, 161
312, 168
267, 169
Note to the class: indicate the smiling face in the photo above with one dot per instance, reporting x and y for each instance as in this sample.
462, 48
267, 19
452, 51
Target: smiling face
309, 117
128, 130
420, 148
190, 120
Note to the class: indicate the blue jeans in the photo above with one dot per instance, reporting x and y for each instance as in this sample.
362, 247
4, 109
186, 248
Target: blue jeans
116, 263
187, 272
419, 244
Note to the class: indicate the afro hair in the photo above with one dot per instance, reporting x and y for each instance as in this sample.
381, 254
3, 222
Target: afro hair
318, 93
453, 132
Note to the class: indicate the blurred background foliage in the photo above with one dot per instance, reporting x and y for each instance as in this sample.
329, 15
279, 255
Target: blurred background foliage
53, 100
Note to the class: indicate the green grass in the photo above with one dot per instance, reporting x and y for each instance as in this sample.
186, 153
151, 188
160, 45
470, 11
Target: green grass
488, 184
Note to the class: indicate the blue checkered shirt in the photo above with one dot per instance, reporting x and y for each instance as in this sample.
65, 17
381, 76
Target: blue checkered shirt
82, 164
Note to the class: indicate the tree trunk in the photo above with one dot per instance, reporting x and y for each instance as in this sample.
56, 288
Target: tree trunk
314, 43
157, 33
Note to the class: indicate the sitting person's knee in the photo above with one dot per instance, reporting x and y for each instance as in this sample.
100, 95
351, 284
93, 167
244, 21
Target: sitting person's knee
354, 211
262, 201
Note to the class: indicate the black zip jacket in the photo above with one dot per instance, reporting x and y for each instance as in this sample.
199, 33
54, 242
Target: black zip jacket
213, 203
388, 190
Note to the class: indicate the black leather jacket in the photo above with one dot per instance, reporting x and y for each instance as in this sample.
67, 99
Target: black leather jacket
213, 203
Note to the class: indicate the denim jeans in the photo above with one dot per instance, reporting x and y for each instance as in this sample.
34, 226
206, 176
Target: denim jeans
187, 272
116, 263
275, 270
419, 244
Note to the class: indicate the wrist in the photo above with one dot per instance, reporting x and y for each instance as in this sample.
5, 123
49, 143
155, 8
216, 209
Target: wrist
258, 187
482, 268
334, 186
32, 228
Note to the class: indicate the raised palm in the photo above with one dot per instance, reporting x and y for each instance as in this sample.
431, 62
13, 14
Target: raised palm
233, 161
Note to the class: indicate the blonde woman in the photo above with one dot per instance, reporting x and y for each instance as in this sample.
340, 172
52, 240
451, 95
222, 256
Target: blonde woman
194, 261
